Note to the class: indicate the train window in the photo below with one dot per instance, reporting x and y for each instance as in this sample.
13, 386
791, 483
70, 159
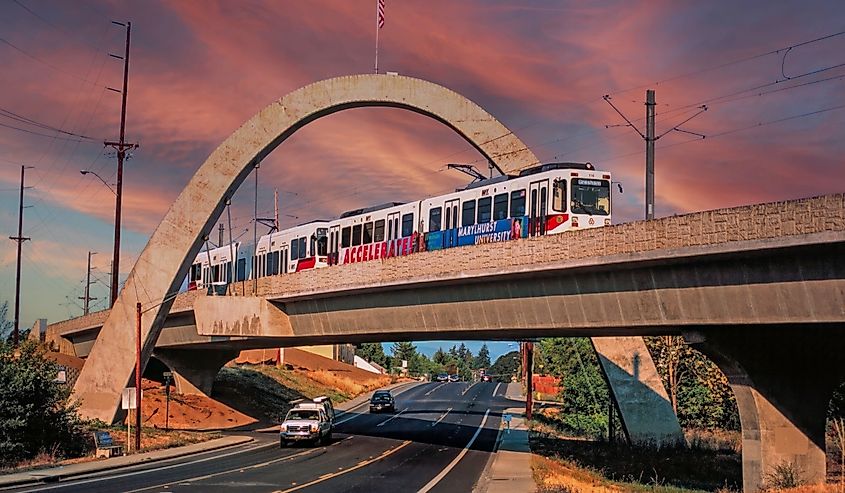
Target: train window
407, 224
302, 245
468, 213
215, 273
378, 231
434, 218
322, 246
356, 235
518, 203
195, 272
368, 233
389, 229
294, 249
485, 205
313, 249
268, 267
346, 237
241, 272
274, 263
559, 195
500, 206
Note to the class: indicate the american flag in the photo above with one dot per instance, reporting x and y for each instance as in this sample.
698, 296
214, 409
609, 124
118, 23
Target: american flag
380, 12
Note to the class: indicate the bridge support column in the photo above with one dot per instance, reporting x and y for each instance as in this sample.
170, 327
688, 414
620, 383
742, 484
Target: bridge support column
194, 370
783, 379
647, 415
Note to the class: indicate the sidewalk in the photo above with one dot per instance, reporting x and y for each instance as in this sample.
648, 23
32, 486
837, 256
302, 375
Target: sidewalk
511, 471
57, 473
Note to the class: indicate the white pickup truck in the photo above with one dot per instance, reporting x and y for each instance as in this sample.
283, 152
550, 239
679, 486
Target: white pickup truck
308, 421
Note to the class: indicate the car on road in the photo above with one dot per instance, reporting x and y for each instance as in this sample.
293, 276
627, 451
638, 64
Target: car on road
305, 424
382, 400
454, 377
486, 378
442, 377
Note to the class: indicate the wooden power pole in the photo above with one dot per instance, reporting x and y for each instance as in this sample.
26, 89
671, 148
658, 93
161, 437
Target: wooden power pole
19, 239
121, 147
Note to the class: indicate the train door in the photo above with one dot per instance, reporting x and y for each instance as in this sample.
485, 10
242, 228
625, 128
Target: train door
334, 242
451, 223
393, 231
283, 259
538, 199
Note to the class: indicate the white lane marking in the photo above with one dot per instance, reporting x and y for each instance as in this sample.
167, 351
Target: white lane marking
156, 469
435, 388
467, 389
431, 484
441, 417
186, 482
344, 471
497, 388
388, 420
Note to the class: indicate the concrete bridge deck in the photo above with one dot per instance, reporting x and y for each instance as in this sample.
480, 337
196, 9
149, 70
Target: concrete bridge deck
760, 289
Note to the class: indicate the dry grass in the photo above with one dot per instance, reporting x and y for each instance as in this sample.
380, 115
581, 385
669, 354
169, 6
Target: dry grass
345, 384
718, 440
819, 488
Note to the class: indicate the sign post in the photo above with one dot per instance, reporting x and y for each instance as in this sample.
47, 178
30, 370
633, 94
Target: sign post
128, 402
167, 376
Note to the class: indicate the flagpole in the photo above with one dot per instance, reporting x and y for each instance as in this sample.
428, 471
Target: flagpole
377, 30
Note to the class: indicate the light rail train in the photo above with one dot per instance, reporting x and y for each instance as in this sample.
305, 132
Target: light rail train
546, 199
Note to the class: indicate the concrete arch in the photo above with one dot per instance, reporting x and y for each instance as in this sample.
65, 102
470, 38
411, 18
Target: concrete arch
166, 259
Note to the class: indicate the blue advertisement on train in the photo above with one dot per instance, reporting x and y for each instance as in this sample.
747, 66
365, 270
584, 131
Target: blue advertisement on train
477, 234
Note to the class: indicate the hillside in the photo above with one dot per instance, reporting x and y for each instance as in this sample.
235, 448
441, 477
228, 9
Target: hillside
252, 396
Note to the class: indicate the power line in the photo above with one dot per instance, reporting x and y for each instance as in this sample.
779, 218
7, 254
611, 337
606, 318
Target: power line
29, 121
730, 63
48, 64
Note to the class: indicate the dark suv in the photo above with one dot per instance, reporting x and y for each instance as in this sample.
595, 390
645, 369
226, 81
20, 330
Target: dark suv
382, 400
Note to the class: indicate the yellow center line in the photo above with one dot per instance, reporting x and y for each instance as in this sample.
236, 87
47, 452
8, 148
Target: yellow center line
358, 466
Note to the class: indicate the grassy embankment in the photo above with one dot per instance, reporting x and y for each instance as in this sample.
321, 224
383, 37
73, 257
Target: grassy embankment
711, 462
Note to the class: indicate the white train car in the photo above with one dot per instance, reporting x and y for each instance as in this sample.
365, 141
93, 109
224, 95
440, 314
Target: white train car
546, 199
383, 231
296, 249
215, 267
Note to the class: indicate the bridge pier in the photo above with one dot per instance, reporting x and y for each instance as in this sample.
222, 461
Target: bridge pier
194, 370
783, 379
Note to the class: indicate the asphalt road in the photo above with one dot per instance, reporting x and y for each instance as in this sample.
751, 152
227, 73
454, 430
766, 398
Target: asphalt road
439, 439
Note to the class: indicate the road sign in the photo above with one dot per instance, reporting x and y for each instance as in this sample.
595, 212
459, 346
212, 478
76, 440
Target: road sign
507, 418
404, 363
128, 400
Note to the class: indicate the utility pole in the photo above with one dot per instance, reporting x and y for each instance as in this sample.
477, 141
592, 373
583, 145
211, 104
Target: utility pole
649, 153
19, 239
87, 298
121, 147
650, 138
220, 231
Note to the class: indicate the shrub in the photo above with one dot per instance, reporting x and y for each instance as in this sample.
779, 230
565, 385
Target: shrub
34, 417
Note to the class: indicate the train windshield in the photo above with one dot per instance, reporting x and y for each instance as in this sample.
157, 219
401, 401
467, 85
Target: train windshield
590, 197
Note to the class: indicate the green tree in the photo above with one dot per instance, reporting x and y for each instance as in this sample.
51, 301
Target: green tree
698, 390
482, 359
440, 357
373, 351
505, 367
34, 416
6, 325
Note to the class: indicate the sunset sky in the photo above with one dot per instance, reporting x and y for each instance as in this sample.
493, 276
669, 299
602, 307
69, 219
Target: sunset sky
199, 69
